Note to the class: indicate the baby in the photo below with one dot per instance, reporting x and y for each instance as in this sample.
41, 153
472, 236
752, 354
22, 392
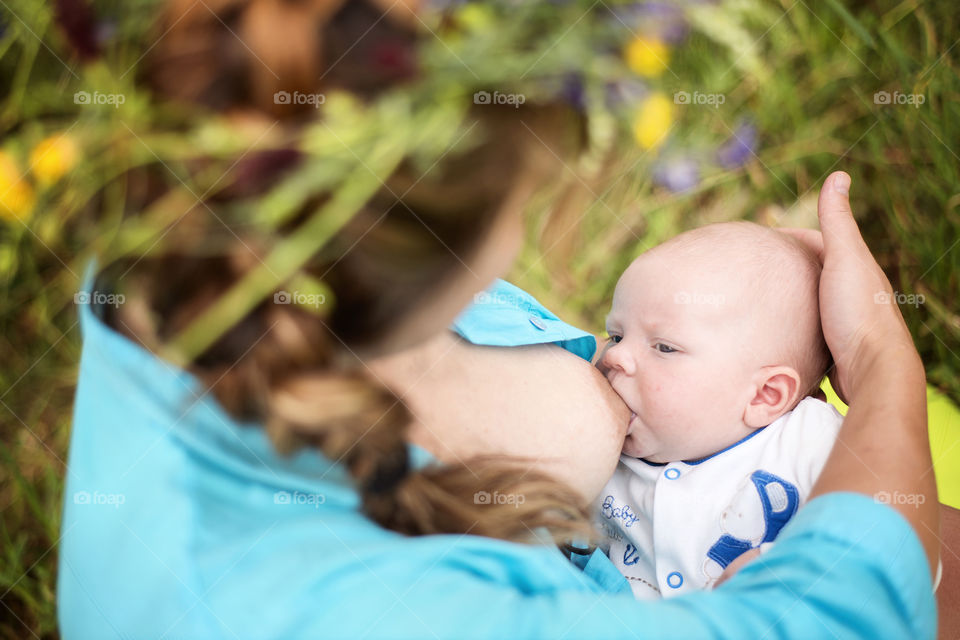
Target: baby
715, 345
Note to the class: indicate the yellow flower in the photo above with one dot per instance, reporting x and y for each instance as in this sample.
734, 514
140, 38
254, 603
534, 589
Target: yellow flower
53, 157
647, 56
653, 121
16, 194
475, 17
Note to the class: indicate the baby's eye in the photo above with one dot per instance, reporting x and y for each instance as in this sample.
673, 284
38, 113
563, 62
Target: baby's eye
663, 348
615, 339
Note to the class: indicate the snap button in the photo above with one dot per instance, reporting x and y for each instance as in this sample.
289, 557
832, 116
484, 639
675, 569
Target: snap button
672, 473
674, 580
538, 323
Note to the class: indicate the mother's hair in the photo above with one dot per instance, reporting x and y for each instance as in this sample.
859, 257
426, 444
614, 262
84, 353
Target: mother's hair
290, 369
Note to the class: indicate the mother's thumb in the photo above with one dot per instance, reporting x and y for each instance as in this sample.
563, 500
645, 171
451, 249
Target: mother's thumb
836, 218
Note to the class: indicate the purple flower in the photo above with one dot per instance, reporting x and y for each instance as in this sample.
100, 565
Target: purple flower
677, 174
571, 90
665, 19
106, 32
736, 151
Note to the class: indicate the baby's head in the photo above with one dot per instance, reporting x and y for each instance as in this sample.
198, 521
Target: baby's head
714, 334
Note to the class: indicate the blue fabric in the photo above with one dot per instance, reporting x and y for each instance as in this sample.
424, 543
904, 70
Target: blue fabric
181, 523
507, 316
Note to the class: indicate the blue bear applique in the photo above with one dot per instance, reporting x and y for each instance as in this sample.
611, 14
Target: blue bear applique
779, 501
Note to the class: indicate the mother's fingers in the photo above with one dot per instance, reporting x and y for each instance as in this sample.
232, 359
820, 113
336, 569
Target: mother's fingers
736, 565
811, 238
839, 229
837, 226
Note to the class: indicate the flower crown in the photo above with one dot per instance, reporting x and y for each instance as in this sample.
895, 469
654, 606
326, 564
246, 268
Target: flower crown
602, 57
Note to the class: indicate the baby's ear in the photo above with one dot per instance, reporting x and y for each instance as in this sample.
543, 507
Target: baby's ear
775, 392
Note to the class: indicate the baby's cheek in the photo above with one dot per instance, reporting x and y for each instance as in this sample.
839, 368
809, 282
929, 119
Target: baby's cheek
663, 403
651, 381
662, 390
680, 404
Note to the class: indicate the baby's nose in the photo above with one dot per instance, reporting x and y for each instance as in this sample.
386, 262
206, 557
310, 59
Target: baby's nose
617, 358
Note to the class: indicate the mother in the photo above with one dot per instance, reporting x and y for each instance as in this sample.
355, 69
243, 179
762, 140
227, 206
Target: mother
184, 520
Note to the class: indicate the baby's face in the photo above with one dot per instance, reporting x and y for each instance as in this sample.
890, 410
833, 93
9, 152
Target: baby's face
680, 355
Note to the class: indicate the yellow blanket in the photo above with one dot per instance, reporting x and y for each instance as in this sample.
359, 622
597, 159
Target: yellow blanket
944, 423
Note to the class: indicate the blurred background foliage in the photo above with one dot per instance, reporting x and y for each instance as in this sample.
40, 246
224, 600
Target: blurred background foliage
799, 84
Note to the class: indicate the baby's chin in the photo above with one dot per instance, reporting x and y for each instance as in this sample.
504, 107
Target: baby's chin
656, 458
636, 449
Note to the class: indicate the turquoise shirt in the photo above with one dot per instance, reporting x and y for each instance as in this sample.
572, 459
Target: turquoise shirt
181, 523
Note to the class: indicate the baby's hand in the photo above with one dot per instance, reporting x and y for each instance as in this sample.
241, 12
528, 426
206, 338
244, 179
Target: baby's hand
736, 565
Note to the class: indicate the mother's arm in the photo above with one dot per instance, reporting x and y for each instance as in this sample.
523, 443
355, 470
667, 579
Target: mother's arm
882, 450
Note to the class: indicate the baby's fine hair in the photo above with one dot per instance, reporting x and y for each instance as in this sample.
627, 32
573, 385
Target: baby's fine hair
783, 278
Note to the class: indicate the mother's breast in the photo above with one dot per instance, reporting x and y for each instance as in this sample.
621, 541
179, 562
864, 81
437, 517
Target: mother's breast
539, 402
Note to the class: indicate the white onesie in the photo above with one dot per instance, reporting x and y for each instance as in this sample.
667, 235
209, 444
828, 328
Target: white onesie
673, 528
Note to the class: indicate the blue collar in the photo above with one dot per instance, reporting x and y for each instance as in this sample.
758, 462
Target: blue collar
697, 461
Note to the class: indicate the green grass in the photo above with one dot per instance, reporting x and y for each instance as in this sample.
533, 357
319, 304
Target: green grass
809, 86
807, 82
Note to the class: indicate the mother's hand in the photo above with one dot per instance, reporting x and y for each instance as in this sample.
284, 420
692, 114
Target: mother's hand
860, 317
885, 451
